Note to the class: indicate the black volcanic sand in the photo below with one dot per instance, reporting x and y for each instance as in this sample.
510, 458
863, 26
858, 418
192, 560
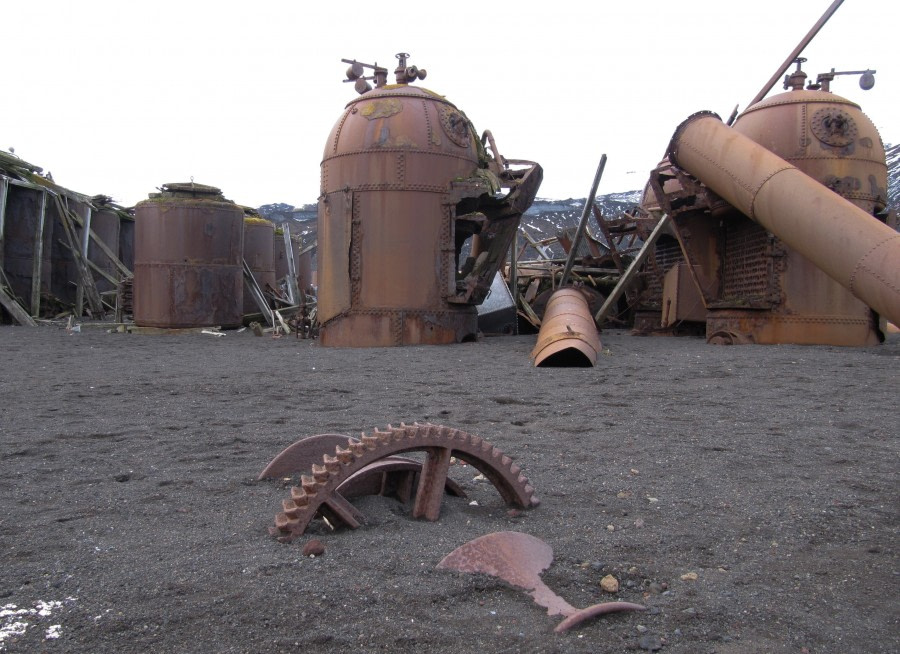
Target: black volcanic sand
132, 521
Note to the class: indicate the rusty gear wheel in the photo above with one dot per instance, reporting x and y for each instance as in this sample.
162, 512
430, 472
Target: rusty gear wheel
318, 494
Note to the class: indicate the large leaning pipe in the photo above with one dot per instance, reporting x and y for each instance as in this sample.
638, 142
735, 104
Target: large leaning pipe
846, 243
568, 336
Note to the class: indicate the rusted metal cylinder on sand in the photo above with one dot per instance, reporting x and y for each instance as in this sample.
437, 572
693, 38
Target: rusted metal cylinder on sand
849, 245
187, 271
568, 336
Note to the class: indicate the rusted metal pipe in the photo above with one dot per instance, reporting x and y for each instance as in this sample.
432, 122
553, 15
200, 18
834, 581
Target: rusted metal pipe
805, 41
846, 243
568, 336
582, 224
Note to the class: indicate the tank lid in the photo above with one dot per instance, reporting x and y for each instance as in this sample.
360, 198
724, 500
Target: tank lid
189, 190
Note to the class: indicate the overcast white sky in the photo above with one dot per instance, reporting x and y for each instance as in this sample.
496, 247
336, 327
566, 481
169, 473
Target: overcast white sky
118, 97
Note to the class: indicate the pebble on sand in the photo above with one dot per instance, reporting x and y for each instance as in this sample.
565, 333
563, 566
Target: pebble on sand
315, 547
610, 584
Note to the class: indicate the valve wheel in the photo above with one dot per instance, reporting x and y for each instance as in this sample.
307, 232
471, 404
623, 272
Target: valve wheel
318, 491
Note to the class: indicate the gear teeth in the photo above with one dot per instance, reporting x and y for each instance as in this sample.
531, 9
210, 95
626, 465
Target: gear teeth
345, 456
320, 473
299, 497
384, 437
332, 465
321, 483
309, 484
284, 522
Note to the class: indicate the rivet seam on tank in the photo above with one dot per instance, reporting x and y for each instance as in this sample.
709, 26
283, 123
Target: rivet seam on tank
433, 137
383, 108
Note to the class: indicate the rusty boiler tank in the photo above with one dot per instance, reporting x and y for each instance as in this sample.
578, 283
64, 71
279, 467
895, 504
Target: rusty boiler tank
804, 178
830, 139
259, 235
405, 184
188, 245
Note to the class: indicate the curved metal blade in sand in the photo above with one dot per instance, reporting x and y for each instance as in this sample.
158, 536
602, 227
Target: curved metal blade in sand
519, 559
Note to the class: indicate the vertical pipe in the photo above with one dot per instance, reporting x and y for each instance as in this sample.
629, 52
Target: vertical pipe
514, 273
796, 52
582, 224
85, 242
4, 193
292, 289
38, 254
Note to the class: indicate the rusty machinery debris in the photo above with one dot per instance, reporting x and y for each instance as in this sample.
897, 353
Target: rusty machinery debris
406, 186
798, 254
568, 336
774, 230
519, 559
320, 492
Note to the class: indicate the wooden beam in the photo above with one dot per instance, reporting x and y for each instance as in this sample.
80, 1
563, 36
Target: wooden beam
93, 297
38, 258
4, 193
15, 309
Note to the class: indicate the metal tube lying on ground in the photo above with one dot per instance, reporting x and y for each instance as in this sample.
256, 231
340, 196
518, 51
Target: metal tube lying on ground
568, 336
846, 243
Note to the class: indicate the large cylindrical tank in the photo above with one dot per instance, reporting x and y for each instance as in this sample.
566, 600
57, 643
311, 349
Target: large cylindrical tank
188, 246
20, 245
259, 255
105, 224
830, 139
386, 247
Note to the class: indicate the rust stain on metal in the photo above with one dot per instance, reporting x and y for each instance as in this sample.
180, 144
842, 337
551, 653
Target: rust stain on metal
519, 559
318, 493
568, 335
381, 108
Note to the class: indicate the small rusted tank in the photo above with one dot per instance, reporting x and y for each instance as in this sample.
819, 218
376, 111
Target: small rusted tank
188, 246
259, 255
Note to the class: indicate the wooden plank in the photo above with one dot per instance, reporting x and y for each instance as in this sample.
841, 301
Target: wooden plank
4, 194
37, 263
105, 249
85, 241
90, 288
15, 309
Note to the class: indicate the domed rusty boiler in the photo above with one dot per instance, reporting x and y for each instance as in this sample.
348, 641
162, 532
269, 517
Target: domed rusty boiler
405, 183
807, 169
